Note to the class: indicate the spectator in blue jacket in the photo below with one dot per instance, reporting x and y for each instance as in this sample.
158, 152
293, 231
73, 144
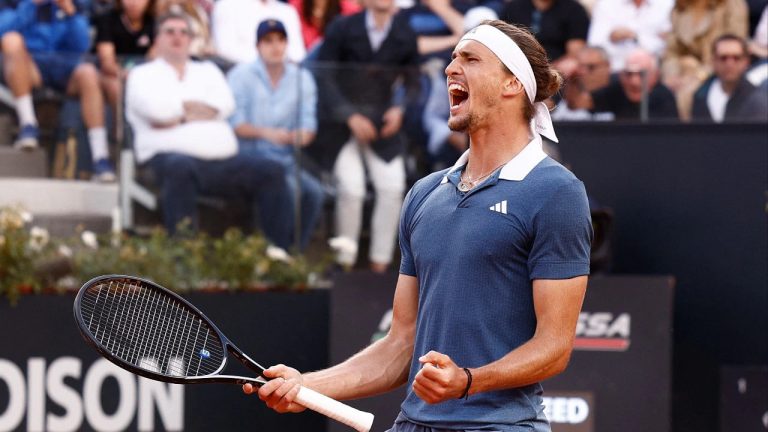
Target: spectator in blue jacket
42, 45
275, 111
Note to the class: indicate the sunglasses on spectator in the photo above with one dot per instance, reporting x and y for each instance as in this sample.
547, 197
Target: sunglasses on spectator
170, 31
732, 57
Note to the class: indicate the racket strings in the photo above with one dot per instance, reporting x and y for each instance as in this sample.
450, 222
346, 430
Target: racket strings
151, 330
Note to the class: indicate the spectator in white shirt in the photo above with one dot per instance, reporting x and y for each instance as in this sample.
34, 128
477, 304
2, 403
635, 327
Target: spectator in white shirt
235, 23
178, 109
621, 26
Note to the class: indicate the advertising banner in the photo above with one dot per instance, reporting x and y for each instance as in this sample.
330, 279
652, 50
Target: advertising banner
50, 380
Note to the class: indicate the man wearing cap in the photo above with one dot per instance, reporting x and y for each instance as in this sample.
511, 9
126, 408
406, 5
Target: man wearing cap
275, 104
495, 261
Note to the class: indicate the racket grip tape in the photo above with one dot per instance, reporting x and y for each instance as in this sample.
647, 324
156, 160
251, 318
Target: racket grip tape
354, 418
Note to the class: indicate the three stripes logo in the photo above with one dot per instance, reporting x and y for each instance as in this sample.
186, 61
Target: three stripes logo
499, 207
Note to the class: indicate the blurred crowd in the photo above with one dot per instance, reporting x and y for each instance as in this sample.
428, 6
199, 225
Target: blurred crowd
288, 103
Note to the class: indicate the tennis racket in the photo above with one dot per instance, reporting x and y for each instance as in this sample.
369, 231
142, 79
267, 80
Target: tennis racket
151, 331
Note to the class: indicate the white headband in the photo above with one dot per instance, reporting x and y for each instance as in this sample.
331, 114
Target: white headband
513, 58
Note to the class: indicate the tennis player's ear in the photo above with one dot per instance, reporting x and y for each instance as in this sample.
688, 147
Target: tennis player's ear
512, 86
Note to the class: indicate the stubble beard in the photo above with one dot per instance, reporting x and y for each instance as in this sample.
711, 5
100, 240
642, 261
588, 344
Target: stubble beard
466, 122
460, 123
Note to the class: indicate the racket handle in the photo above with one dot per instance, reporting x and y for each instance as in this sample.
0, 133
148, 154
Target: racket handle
359, 420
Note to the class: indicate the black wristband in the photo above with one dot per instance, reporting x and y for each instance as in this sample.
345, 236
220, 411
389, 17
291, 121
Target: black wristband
465, 395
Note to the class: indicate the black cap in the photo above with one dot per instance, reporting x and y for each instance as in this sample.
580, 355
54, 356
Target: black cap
269, 26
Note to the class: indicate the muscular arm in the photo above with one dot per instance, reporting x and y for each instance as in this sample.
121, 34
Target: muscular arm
380, 367
557, 304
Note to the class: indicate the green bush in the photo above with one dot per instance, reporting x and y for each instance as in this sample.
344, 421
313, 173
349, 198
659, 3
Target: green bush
31, 261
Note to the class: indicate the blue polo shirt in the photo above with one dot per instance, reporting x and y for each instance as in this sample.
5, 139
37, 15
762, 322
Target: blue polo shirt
475, 256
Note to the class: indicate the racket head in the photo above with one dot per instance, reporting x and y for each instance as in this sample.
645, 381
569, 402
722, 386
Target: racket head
149, 330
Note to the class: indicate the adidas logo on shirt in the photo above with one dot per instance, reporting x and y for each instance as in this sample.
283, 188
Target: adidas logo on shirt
500, 207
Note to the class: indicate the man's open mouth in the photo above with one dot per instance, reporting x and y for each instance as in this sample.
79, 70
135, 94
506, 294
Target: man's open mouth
458, 94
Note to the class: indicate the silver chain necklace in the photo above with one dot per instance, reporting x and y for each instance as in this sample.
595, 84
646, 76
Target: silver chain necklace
469, 183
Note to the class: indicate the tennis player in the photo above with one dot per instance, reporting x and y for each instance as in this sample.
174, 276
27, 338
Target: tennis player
495, 258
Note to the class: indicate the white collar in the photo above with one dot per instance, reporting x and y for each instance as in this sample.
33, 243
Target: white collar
517, 168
